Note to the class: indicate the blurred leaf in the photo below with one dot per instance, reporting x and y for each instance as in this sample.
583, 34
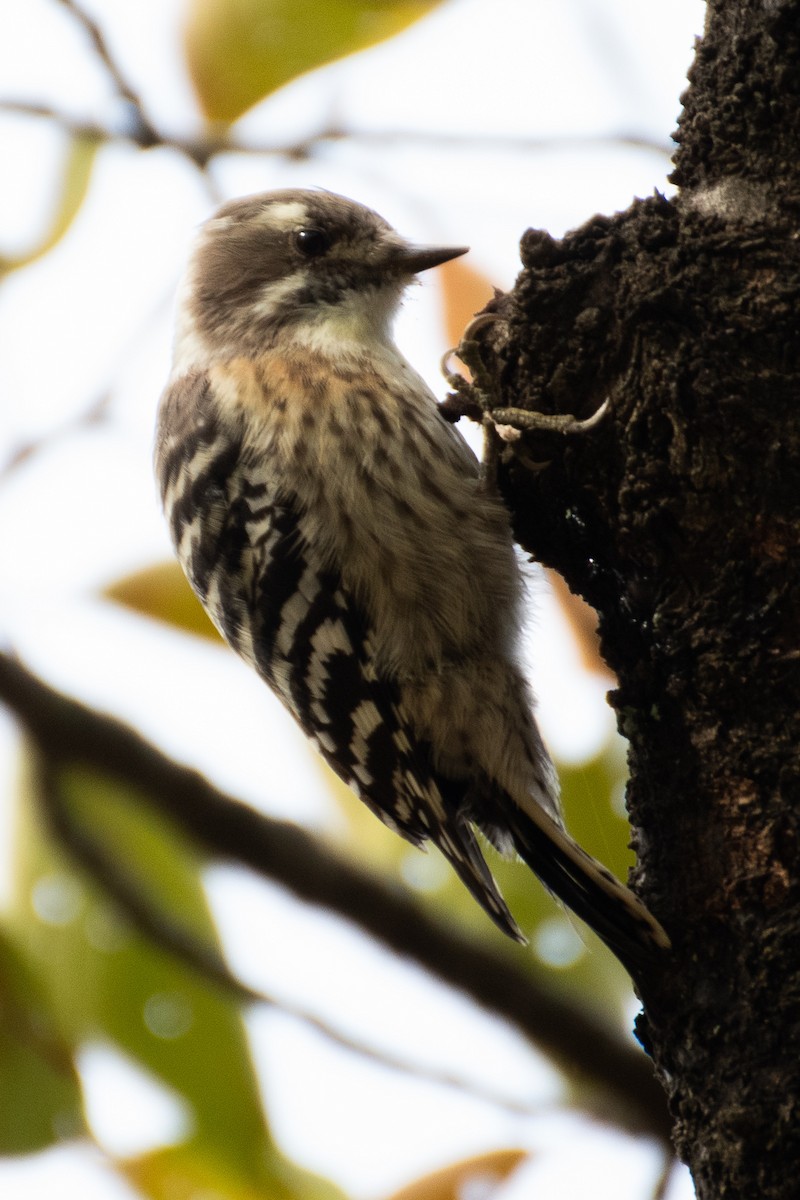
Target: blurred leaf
76, 175
162, 591
40, 1100
184, 1173
465, 292
587, 793
591, 794
105, 981
479, 1176
239, 51
582, 620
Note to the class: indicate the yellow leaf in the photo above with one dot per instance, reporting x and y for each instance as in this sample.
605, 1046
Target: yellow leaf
462, 1178
465, 292
184, 1172
161, 591
582, 620
75, 179
239, 51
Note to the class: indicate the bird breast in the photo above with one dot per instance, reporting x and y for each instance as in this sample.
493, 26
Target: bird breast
389, 496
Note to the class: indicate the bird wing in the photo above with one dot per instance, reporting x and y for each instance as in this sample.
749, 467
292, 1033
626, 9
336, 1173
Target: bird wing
312, 643
238, 536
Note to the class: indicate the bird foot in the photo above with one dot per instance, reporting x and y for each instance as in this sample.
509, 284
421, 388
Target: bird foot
476, 398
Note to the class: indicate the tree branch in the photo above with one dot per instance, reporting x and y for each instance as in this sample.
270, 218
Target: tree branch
67, 732
203, 149
143, 131
202, 955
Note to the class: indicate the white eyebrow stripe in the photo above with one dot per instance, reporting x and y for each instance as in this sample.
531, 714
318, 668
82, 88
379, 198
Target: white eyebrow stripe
286, 214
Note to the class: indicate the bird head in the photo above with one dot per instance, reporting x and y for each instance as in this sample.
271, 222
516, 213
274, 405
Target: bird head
309, 266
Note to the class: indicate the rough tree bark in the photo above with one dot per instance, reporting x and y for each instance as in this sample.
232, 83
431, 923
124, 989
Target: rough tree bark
678, 519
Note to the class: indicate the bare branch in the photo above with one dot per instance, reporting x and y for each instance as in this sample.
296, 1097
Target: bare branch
201, 150
665, 1175
67, 732
145, 133
126, 892
201, 956
94, 414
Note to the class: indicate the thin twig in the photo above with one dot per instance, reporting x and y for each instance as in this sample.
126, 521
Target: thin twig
94, 414
668, 1169
202, 150
146, 133
441, 140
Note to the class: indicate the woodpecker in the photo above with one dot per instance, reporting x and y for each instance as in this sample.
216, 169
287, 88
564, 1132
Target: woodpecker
334, 527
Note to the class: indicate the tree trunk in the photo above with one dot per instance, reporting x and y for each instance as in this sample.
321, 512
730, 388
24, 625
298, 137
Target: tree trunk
678, 518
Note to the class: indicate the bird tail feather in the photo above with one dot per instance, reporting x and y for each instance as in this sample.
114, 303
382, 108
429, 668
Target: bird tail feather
588, 888
460, 847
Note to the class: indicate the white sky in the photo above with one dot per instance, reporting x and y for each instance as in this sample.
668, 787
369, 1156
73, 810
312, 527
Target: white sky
96, 314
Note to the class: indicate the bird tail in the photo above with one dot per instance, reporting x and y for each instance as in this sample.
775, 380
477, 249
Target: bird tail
615, 914
459, 845
588, 888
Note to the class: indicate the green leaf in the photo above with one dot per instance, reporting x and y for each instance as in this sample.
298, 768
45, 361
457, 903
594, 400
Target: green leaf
186, 1171
587, 794
40, 1100
239, 51
108, 982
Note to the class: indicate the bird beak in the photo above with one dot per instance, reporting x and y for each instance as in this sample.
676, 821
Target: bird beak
410, 260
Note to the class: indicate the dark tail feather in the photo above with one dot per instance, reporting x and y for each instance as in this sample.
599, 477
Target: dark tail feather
460, 847
587, 887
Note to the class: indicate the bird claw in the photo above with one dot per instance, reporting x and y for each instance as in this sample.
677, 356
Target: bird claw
468, 351
476, 396
522, 420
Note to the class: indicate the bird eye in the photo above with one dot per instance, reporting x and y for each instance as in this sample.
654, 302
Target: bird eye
312, 242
